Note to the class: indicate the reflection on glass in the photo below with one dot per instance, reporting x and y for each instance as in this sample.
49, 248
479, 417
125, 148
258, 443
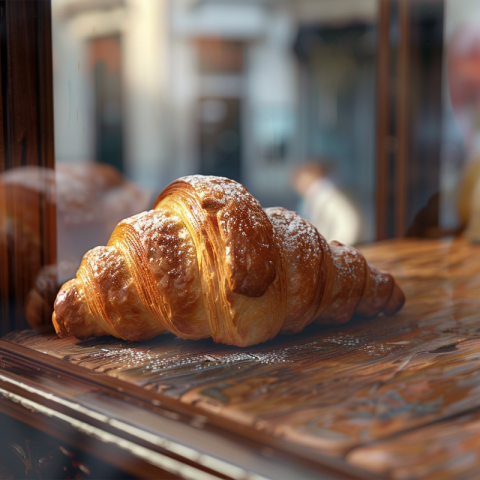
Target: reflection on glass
89, 199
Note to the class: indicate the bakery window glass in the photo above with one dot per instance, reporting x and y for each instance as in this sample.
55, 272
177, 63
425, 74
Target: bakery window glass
361, 115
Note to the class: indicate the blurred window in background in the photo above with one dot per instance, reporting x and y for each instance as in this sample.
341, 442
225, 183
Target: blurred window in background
219, 56
106, 65
219, 137
387, 91
220, 70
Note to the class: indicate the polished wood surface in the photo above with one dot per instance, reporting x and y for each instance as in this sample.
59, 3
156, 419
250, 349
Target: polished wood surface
147, 433
396, 396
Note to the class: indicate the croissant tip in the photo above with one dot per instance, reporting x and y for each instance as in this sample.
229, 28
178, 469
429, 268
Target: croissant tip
59, 326
395, 302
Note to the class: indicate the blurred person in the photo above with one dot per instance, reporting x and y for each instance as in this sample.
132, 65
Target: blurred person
325, 205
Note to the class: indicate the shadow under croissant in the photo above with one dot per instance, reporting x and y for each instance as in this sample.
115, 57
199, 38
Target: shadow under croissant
205, 344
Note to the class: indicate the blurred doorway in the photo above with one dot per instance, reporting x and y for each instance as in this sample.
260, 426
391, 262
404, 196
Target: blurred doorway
220, 137
221, 73
106, 62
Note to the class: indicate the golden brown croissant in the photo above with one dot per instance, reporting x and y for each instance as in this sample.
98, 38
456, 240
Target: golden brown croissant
207, 261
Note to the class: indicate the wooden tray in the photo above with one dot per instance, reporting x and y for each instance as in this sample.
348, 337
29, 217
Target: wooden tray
394, 396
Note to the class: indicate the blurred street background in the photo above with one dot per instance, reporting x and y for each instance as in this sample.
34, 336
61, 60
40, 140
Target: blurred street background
250, 89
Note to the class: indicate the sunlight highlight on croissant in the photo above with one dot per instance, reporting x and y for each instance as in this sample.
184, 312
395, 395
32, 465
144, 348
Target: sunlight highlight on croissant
208, 261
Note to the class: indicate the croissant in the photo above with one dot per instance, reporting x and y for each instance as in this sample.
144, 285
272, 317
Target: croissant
208, 261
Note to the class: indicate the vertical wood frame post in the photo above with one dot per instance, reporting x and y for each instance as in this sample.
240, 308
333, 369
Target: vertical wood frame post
26, 139
402, 142
409, 108
383, 120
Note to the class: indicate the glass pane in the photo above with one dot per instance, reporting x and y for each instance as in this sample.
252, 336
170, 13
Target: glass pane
361, 115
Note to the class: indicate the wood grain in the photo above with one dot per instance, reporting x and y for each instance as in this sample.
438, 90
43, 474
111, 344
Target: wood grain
338, 391
148, 419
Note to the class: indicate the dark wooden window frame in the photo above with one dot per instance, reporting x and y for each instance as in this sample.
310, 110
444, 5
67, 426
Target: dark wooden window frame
26, 132
409, 91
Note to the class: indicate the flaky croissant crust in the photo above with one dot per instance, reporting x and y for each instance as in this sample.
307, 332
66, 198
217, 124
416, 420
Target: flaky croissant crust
208, 261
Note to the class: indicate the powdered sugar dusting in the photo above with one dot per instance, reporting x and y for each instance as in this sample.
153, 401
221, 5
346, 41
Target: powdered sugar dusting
296, 234
223, 189
348, 262
217, 193
167, 244
220, 193
380, 277
104, 261
154, 362
244, 229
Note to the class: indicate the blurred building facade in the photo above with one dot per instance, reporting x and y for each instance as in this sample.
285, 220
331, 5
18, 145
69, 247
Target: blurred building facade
243, 89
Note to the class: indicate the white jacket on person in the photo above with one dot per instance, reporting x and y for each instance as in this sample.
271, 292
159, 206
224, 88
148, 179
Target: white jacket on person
332, 213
